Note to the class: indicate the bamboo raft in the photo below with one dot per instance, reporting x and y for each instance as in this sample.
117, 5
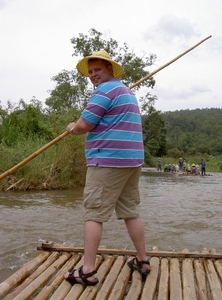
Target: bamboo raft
174, 275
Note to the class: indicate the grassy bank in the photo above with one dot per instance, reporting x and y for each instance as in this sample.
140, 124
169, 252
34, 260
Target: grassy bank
62, 166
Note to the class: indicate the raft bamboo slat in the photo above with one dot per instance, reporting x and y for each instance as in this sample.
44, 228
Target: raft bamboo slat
175, 280
188, 282
179, 275
164, 278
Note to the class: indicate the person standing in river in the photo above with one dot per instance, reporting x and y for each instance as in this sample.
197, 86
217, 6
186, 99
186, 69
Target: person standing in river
203, 167
180, 163
114, 156
159, 165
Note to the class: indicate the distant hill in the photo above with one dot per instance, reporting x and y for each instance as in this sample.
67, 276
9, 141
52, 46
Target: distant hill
198, 130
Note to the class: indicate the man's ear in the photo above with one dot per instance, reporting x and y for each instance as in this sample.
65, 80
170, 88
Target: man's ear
110, 69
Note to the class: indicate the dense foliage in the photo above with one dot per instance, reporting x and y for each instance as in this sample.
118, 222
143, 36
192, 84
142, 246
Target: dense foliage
194, 131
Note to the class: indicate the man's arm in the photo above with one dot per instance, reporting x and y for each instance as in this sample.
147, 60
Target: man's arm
80, 127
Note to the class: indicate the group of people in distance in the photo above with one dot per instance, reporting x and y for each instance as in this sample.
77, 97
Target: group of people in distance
182, 166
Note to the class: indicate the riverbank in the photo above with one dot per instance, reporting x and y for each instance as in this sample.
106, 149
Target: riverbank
54, 173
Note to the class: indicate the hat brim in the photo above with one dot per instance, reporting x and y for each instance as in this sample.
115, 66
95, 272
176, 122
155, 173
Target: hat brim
82, 66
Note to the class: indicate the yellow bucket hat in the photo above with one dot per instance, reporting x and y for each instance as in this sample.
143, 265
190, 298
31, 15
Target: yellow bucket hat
82, 65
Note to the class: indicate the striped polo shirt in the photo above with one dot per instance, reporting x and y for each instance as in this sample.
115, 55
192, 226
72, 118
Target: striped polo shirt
116, 138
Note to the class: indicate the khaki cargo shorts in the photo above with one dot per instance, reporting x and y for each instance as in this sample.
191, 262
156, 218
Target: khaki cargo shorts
109, 189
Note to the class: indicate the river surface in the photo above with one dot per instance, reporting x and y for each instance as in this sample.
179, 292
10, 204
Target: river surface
178, 212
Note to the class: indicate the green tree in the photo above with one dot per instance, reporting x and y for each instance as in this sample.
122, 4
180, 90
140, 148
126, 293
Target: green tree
194, 131
25, 120
73, 90
154, 130
187, 141
3, 113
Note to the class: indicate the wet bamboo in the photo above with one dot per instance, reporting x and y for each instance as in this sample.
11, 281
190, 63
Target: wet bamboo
22, 273
33, 276
26, 160
32, 288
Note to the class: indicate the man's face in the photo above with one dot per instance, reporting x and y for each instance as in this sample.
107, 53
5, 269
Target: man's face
99, 72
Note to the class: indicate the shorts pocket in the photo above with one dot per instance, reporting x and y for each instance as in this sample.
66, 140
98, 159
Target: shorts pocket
92, 197
137, 197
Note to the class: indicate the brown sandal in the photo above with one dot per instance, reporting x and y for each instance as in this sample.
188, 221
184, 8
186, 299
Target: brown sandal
84, 281
135, 264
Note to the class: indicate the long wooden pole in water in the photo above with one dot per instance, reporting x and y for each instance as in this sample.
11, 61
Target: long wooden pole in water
30, 157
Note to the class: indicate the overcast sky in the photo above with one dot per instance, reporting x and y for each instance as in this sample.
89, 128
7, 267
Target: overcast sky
35, 45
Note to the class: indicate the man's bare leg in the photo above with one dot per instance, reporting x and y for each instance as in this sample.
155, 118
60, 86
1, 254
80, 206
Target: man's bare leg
92, 237
136, 232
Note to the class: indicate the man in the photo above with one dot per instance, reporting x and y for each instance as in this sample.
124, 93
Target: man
159, 165
180, 162
114, 155
203, 167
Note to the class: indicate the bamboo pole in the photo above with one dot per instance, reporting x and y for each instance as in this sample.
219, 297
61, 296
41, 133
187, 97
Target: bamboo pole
26, 160
156, 253
169, 63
